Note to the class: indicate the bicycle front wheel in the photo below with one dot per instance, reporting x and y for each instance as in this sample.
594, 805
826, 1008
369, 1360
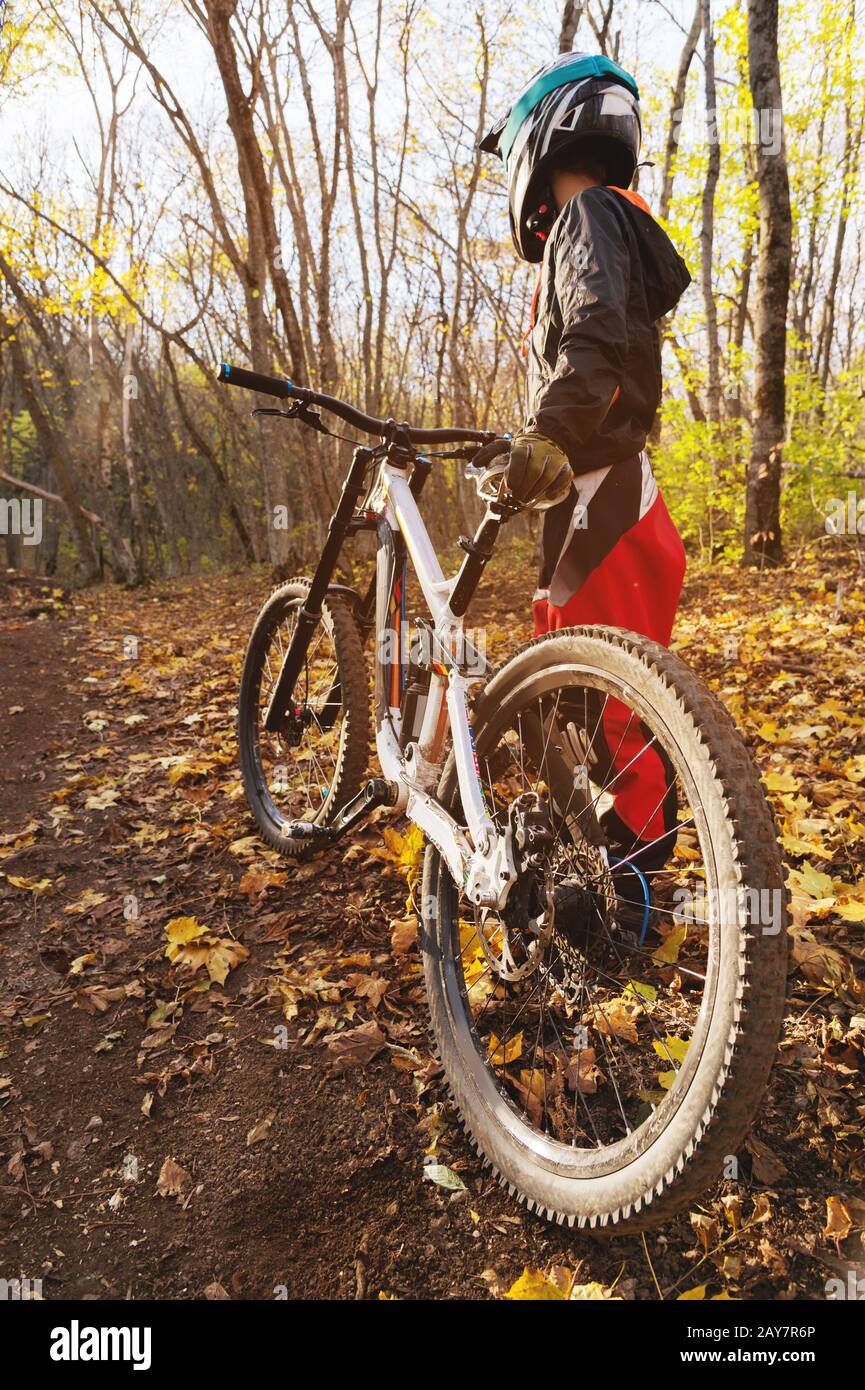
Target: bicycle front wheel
608, 1035
311, 769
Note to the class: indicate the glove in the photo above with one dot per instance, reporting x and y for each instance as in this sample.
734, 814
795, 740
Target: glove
539, 474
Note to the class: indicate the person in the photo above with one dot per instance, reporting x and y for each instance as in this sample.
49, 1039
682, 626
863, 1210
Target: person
611, 552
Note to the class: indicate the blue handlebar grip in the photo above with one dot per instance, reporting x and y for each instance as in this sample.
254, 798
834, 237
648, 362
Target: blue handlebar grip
225, 372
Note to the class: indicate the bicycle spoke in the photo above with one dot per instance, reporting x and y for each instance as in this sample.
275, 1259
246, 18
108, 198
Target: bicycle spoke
592, 978
299, 774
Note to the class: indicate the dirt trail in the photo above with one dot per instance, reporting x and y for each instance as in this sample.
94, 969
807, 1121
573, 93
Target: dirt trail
120, 811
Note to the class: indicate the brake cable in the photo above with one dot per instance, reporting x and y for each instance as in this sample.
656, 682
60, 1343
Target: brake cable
299, 410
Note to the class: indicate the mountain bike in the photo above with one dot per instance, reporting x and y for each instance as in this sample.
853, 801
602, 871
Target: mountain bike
605, 1010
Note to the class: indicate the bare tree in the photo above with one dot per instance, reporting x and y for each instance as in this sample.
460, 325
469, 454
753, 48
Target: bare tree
677, 104
763, 491
707, 225
572, 13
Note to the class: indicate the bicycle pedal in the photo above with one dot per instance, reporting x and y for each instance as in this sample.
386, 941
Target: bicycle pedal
305, 830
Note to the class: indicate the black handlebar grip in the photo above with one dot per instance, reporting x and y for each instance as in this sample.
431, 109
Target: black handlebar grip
255, 381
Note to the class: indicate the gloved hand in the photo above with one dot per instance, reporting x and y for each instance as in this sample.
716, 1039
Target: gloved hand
539, 474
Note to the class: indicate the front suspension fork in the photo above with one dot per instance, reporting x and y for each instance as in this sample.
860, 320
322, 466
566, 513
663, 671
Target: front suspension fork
309, 615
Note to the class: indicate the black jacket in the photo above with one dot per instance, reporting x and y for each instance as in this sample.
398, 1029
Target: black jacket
608, 273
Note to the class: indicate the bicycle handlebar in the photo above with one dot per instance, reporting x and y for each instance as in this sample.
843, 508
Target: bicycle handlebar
287, 390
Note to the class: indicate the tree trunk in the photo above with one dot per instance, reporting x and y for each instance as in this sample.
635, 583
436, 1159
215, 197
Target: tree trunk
55, 452
707, 225
674, 121
572, 13
207, 453
129, 393
763, 488
677, 106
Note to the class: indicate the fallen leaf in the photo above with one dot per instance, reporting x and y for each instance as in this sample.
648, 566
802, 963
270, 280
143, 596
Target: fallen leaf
261, 1130
766, 1165
533, 1286
255, 882
354, 1047
443, 1176
30, 885
668, 951
500, 1055
216, 1293
839, 1220
403, 935
173, 1180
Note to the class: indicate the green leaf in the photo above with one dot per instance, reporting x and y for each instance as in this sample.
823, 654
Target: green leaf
444, 1177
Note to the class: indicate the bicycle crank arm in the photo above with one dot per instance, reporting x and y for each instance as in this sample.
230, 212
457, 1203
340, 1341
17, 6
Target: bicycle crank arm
377, 792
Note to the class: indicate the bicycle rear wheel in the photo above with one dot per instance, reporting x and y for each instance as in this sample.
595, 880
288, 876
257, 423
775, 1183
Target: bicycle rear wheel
607, 1056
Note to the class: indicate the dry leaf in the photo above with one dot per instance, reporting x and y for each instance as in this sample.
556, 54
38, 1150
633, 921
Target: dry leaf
261, 1130
354, 1047
173, 1180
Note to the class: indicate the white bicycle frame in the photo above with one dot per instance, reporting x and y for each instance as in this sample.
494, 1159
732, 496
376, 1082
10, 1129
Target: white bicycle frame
484, 868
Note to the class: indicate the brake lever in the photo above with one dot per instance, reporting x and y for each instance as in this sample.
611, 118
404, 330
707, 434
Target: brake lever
490, 480
299, 410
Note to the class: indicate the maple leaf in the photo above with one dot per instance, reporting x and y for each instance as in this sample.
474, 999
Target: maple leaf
255, 882
402, 850
248, 845
671, 1049
354, 1047
222, 958
371, 987
101, 801
532, 1286
558, 1284
668, 951
181, 930
191, 946
811, 882
583, 1073
780, 782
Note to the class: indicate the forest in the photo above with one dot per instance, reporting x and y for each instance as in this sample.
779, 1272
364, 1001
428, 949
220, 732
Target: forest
300, 189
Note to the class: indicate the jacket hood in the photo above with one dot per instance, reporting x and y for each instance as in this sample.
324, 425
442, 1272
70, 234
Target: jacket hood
665, 275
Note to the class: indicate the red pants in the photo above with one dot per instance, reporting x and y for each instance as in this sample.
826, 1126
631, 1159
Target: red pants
637, 586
